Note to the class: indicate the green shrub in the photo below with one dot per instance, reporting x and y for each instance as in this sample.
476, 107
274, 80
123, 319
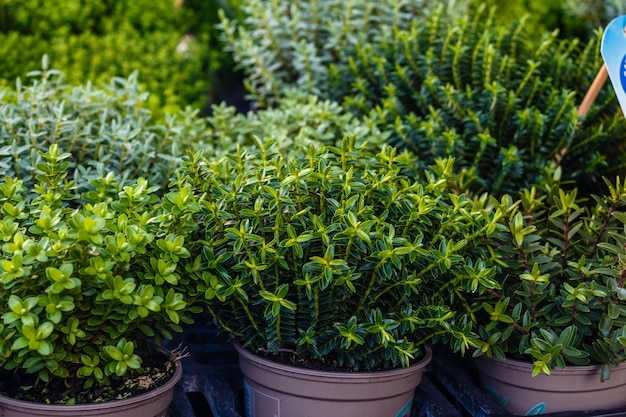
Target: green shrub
282, 45
558, 296
298, 120
107, 129
503, 105
340, 258
88, 280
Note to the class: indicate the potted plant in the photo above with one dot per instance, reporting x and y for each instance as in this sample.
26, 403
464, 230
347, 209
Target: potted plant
557, 300
90, 283
331, 269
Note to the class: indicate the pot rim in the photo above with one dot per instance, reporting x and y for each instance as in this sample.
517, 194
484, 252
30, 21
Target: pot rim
526, 367
314, 373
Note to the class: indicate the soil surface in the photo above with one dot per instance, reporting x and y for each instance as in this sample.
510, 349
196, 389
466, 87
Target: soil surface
157, 370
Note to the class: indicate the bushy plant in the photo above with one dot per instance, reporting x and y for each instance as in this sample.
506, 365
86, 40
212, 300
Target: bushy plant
501, 99
298, 120
104, 128
503, 105
88, 279
335, 259
559, 296
284, 45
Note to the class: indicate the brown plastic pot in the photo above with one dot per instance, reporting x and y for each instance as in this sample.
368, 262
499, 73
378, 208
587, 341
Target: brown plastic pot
575, 388
149, 404
274, 389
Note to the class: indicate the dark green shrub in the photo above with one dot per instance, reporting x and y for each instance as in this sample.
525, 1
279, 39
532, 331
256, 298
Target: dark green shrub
558, 296
503, 105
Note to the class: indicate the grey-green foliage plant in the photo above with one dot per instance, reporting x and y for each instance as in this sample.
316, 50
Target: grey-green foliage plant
282, 45
559, 297
87, 279
337, 258
298, 120
504, 105
105, 129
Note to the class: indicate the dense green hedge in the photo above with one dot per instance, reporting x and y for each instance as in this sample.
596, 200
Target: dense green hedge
176, 49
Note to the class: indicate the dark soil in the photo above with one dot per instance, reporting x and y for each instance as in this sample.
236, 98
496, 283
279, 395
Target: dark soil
157, 370
328, 363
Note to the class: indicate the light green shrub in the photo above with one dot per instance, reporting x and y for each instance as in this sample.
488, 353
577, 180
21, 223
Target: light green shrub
297, 121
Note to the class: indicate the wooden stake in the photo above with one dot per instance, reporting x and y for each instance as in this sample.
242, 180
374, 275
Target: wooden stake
587, 102
593, 91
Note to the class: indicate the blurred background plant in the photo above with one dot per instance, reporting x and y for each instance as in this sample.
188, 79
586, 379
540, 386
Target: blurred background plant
572, 18
174, 45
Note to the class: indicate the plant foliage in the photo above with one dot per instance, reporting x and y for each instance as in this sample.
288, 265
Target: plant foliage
105, 129
88, 279
298, 120
560, 296
504, 106
176, 49
501, 99
284, 45
572, 18
337, 256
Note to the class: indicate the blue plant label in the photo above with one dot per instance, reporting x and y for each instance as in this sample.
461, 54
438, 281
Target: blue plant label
614, 55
